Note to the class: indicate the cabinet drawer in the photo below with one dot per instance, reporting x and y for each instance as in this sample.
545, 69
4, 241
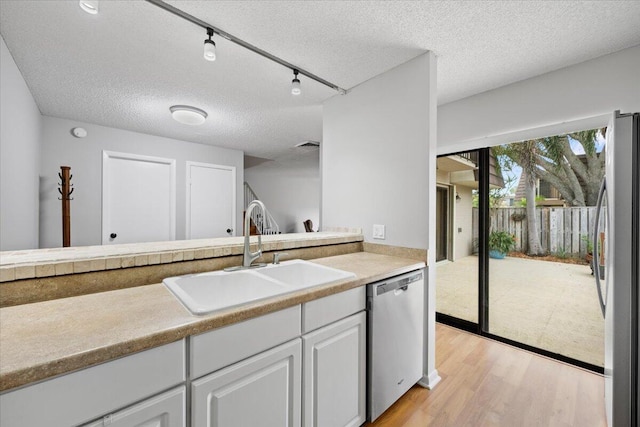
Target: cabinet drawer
90, 393
164, 410
323, 311
222, 347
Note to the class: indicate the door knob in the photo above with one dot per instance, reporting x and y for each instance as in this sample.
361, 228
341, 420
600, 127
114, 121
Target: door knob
113, 235
229, 230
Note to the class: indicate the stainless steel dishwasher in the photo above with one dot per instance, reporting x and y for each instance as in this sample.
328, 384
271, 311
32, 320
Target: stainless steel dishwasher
395, 339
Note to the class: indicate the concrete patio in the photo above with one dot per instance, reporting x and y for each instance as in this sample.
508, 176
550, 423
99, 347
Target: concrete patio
549, 305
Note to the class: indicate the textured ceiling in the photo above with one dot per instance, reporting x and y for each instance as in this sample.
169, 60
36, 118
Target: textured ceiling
125, 66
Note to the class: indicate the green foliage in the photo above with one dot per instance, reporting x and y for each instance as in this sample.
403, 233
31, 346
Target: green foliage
496, 195
585, 238
523, 201
561, 253
556, 160
501, 241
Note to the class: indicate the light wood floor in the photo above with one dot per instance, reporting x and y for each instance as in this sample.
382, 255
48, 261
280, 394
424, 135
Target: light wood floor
487, 383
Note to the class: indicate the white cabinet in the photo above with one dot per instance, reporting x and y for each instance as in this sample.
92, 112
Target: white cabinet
322, 311
225, 346
334, 374
263, 390
164, 410
90, 393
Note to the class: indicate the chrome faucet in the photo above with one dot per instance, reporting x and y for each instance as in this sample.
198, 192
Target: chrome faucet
276, 257
248, 257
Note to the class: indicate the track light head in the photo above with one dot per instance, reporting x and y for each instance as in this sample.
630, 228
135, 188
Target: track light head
209, 47
295, 84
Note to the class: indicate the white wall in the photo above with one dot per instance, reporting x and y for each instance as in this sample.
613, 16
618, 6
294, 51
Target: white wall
84, 156
578, 97
290, 188
20, 127
375, 156
378, 166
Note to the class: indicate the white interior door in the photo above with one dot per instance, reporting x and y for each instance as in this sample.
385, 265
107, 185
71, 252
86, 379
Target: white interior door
138, 198
211, 200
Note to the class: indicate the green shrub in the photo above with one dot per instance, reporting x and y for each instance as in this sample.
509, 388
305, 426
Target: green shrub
501, 241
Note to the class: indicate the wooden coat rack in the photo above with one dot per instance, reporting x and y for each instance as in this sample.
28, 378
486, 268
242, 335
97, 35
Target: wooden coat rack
65, 188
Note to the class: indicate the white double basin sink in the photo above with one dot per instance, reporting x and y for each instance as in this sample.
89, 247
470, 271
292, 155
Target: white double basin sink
206, 293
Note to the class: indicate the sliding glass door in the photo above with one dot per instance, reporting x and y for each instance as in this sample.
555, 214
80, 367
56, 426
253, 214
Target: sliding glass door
519, 241
457, 237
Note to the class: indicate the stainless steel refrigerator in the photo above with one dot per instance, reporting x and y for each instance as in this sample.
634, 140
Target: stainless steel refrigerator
616, 240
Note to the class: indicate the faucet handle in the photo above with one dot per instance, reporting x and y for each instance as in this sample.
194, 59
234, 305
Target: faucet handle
277, 255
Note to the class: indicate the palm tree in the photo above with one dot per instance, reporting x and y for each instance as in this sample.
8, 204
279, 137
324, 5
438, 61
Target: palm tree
525, 154
577, 180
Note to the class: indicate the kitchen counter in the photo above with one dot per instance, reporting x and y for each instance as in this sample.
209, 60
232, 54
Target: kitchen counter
45, 339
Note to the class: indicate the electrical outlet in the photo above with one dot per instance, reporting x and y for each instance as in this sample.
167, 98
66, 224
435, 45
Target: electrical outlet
378, 231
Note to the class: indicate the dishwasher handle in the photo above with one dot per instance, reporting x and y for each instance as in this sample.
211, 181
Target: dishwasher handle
400, 284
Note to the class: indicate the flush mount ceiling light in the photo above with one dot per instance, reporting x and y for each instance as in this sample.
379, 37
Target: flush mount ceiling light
89, 6
209, 47
188, 115
295, 84
199, 22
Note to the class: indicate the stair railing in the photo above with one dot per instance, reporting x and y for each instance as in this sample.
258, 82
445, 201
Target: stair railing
265, 224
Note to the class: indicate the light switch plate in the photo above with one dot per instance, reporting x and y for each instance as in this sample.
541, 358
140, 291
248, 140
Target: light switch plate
378, 231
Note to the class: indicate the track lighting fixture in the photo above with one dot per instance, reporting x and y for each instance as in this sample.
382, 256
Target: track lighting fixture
89, 6
209, 47
295, 84
210, 55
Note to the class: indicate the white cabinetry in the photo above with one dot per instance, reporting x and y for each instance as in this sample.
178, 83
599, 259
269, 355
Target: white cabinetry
253, 373
263, 390
164, 410
334, 374
251, 377
97, 391
244, 376
225, 346
334, 360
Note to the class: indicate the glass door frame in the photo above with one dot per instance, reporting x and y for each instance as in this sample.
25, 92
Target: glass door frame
482, 328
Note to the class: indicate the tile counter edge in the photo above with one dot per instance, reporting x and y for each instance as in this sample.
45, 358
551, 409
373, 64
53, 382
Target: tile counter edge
37, 263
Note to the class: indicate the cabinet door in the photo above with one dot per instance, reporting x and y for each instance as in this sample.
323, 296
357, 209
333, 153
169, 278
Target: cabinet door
334, 376
81, 396
263, 390
164, 410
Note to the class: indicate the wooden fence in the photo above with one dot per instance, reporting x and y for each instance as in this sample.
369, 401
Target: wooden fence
561, 229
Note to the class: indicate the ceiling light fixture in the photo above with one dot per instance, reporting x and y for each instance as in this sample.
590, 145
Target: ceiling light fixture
89, 6
188, 115
209, 47
184, 15
295, 84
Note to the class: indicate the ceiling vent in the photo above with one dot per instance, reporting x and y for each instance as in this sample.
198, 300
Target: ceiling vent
308, 144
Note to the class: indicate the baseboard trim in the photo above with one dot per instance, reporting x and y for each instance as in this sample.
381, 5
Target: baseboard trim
430, 381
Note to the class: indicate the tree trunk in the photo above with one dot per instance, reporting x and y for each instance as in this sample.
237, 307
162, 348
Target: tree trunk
533, 235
